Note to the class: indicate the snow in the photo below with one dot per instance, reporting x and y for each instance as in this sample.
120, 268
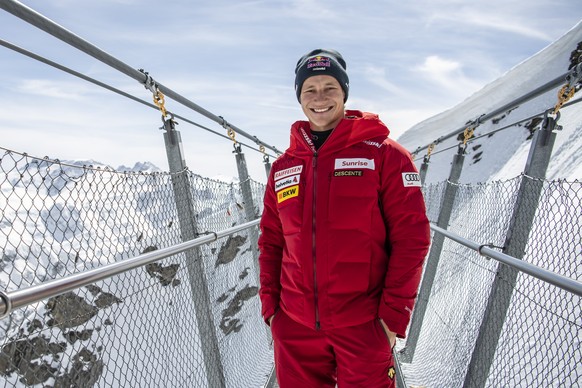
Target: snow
497, 160
463, 281
66, 217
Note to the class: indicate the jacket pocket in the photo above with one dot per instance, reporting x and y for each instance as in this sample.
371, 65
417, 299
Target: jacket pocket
352, 203
291, 212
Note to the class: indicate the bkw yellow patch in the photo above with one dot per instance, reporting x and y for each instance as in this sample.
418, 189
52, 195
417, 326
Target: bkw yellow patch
291, 192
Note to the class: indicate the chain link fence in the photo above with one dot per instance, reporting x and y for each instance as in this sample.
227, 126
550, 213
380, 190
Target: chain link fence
540, 344
139, 328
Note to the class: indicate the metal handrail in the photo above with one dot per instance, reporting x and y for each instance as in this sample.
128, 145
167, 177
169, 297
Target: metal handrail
74, 73
518, 101
42, 22
561, 281
26, 296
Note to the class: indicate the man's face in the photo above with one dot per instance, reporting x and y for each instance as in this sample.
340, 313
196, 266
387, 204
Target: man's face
322, 101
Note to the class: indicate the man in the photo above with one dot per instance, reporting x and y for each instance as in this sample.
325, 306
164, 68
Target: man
343, 239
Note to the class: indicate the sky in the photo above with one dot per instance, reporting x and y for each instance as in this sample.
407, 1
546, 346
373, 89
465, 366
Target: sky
407, 61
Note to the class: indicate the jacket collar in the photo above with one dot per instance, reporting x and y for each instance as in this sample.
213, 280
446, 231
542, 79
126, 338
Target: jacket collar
355, 127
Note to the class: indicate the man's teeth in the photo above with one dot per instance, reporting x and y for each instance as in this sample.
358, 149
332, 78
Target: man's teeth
320, 110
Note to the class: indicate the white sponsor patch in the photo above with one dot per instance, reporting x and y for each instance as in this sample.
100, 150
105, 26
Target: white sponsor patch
354, 163
286, 182
411, 179
290, 171
372, 143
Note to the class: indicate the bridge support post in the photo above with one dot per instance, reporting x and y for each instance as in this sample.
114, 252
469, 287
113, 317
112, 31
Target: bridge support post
424, 169
515, 244
198, 283
267, 165
249, 205
434, 256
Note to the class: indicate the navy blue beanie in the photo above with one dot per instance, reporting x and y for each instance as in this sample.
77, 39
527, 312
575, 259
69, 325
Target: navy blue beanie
321, 62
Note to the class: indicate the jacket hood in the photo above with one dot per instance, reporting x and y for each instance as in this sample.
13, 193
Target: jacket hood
355, 127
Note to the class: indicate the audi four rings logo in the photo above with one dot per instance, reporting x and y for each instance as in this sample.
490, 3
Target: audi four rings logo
411, 179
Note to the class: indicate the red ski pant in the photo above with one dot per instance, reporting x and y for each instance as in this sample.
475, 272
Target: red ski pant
357, 356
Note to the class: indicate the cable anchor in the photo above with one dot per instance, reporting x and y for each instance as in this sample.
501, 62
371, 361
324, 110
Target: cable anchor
567, 91
430, 149
265, 156
469, 132
158, 97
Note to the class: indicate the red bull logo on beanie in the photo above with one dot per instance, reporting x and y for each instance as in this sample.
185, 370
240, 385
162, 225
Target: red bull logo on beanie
318, 63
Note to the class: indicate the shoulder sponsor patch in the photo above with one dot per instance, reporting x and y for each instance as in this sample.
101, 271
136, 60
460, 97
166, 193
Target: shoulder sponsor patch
411, 179
354, 163
286, 182
287, 172
373, 143
285, 194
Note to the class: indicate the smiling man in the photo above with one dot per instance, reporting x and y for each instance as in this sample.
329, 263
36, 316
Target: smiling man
343, 239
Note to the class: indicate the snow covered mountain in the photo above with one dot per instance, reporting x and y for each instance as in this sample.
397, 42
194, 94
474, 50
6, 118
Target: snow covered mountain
64, 217
460, 293
503, 154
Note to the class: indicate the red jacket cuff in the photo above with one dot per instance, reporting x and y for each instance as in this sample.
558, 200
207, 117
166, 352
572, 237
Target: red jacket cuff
397, 321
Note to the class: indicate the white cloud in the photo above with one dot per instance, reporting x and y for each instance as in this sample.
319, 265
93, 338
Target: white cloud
377, 76
310, 10
448, 74
49, 88
439, 67
506, 23
520, 18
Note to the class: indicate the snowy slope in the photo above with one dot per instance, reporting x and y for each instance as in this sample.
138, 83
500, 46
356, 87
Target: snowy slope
63, 218
482, 213
502, 155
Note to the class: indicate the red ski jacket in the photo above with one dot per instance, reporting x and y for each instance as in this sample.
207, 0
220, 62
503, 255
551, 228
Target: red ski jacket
344, 231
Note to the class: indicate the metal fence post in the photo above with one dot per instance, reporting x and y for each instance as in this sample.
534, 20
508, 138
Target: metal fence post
515, 244
249, 205
424, 168
198, 284
267, 165
434, 256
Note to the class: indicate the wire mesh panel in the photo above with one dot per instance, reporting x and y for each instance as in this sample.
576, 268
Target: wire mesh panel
541, 340
540, 343
233, 286
138, 328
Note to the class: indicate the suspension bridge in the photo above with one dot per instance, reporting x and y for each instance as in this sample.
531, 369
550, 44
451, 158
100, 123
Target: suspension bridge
136, 278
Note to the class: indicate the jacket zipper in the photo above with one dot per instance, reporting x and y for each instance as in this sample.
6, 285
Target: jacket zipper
317, 324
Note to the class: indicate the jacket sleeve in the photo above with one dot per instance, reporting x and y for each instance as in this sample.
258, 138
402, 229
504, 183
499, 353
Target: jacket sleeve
408, 235
271, 243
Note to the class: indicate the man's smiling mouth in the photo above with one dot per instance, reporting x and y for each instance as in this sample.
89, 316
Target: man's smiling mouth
321, 110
